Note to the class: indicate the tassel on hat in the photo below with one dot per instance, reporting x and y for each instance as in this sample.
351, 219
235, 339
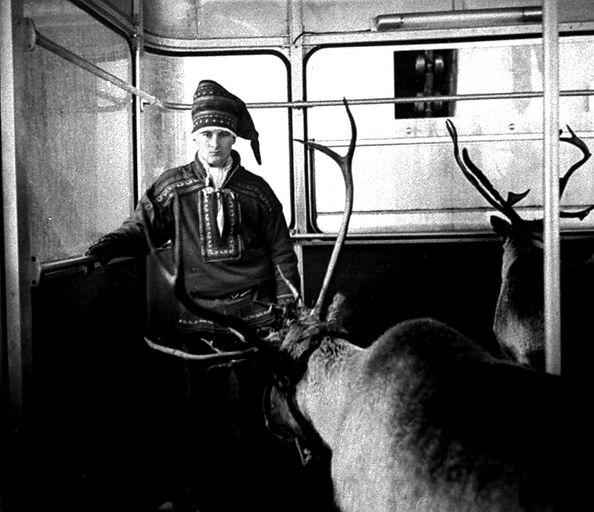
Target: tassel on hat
215, 107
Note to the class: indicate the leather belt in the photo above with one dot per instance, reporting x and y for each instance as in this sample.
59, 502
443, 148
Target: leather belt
230, 296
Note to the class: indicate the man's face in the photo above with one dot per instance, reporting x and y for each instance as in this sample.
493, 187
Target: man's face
214, 146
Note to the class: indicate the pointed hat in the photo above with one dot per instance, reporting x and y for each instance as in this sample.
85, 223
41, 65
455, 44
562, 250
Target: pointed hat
214, 107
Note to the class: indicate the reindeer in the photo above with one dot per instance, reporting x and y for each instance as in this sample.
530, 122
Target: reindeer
424, 419
518, 323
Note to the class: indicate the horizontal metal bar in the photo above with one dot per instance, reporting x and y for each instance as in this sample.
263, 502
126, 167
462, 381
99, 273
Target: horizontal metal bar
74, 263
421, 237
384, 22
453, 210
404, 99
394, 237
169, 44
405, 141
67, 264
314, 39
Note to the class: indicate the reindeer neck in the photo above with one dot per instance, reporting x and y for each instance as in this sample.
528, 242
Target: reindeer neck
515, 248
323, 392
518, 319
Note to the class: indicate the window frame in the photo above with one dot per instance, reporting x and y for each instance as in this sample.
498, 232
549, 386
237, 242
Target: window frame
515, 39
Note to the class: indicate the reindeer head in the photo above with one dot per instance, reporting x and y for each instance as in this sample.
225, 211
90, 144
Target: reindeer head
514, 226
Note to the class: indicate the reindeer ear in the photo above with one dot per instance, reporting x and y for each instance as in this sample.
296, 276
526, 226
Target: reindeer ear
339, 312
500, 226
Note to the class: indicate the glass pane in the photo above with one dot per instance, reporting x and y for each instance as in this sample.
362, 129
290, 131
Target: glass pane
406, 178
208, 19
167, 138
78, 156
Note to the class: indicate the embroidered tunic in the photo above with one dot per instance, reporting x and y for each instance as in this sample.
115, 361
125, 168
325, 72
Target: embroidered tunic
253, 241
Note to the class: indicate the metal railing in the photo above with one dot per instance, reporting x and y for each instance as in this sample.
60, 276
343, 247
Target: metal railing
38, 39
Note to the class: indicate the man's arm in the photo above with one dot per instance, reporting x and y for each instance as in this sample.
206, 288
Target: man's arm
129, 239
283, 256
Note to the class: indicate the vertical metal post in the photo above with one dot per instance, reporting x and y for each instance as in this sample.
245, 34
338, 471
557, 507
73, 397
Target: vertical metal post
295, 17
552, 278
12, 295
137, 47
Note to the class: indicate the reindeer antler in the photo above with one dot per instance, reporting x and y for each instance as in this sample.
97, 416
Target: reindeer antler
177, 279
574, 140
478, 179
345, 163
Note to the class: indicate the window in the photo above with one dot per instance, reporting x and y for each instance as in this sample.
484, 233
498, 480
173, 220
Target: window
254, 78
78, 156
405, 175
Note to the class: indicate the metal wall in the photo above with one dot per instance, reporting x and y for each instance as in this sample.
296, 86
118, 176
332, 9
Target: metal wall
205, 19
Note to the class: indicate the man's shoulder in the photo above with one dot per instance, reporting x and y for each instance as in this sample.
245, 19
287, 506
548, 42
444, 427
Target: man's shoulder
181, 179
251, 179
257, 187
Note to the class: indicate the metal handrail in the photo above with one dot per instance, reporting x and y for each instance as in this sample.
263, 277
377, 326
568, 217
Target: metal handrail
36, 38
410, 20
77, 261
84, 263
403, 99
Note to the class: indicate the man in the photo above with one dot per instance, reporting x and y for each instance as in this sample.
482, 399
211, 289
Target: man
234, 235
237, 257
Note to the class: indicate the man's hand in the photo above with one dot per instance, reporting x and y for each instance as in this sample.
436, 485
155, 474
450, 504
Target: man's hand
287, 307
286, 300
108, 247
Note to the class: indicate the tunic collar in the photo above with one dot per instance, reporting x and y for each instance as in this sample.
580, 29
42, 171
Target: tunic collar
203, 174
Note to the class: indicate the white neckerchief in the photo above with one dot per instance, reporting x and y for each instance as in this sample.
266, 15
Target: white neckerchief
217, 176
